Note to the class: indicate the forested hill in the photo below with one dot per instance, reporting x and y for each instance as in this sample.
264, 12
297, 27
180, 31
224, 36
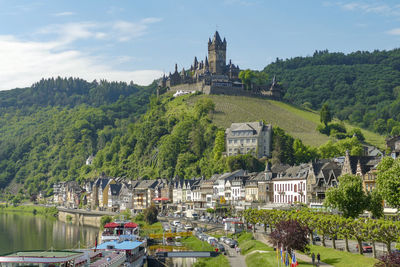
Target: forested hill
362, 87
67, 92
47, 131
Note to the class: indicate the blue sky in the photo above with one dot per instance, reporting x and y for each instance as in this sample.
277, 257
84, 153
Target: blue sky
140, 40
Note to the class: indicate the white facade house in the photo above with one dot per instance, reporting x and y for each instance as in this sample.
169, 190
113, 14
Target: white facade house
291, 186
287, 191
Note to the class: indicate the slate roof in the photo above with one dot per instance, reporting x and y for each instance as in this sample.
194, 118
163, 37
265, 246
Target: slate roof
115, 189
366, 162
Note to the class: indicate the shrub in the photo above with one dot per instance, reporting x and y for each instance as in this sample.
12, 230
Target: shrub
391, 260
150, 214
104, 220
339, 127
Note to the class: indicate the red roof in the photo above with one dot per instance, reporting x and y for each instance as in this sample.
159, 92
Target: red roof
111, 225
130, 225
161, 199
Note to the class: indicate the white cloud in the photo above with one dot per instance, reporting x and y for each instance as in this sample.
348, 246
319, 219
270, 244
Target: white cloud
395, 31
376, 7
119, 30
26, 62
126, 31
64, 14
71, 32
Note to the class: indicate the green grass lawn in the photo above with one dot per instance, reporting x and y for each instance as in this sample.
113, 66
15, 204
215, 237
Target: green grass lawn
247, 243
267, 260
146, 229
257, 259
195, 244
342, 258
297, 122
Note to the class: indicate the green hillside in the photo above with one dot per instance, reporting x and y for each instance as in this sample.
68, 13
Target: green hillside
297, 122
361, 87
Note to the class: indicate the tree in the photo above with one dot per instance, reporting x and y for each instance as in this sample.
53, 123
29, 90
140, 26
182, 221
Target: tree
104, 220
303, 153
359, 232
388, 232
150, 214
392, 259
349, 197
325, 114
219, 145
246, 76
375, 204
290, 234
388, 181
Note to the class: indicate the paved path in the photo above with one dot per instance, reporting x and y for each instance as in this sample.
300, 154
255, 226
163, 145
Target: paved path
263, 238
235, 259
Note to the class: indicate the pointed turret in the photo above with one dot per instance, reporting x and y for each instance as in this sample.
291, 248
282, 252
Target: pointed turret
217, 38
176, 67
195, 62
206, 61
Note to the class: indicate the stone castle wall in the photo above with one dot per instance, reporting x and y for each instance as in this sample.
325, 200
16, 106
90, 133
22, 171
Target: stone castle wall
218, 90
198, 87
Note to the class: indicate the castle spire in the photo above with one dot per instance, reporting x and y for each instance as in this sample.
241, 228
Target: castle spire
195, 62
217, 38
176, 67
206, 61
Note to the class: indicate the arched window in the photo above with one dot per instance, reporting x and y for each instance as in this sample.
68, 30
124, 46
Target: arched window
295, 197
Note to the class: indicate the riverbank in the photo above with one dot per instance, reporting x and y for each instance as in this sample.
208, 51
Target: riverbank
32, 209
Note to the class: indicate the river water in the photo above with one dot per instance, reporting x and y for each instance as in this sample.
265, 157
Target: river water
20, 231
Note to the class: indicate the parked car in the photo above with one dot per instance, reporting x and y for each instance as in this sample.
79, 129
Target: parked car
316, 238
366, 248
222, 238
231, 243
220, 247
188, 227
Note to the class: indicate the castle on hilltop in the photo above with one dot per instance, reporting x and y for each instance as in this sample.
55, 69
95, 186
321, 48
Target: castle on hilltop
214, 76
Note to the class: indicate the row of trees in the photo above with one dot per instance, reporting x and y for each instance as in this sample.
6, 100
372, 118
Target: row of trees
331, 225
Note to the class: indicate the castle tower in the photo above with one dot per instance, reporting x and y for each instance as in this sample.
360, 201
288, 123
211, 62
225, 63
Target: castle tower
217, 54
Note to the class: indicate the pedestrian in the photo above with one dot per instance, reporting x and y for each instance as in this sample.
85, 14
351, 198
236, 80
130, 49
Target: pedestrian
236, 249
216, 250
313, 258
318, 258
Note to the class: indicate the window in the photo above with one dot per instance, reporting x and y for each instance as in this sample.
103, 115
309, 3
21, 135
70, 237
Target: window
235, 141
247, 141
230, 141
295, 188
253, 140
